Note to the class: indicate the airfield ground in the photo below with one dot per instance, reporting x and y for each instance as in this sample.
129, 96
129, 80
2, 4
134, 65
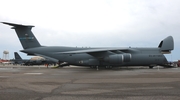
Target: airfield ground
81, 83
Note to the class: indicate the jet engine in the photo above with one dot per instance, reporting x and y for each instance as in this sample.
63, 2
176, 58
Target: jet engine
127, 57
118, 58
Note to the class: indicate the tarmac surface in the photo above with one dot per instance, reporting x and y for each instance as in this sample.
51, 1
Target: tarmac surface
82, 83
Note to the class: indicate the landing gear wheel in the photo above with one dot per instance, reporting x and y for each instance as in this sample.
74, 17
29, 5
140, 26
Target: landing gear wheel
150, 67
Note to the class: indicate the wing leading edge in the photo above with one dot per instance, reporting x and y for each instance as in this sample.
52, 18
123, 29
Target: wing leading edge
100, 52
96, 50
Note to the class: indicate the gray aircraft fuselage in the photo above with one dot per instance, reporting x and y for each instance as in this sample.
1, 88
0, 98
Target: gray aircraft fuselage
138, 56
94, 56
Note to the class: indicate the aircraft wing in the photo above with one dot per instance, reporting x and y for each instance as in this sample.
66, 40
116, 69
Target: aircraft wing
95, 50
16, 25
100, 52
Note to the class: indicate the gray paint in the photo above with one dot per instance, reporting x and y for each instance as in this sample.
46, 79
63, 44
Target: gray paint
94, 56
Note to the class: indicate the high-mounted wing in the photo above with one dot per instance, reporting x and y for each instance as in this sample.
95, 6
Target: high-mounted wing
94, 50
100, 52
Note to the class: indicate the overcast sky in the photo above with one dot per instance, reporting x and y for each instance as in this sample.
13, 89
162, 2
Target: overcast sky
92, 23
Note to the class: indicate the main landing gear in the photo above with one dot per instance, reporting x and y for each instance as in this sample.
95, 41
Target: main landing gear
97, 67
151, 67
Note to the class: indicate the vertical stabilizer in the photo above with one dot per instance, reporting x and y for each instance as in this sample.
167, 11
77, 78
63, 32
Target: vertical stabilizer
17, 56
25, 35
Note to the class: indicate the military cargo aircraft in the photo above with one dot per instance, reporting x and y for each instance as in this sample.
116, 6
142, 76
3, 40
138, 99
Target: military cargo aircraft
28, 62
18, 59
94, 57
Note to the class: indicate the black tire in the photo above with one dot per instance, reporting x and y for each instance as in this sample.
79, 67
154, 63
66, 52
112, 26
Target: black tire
151, 67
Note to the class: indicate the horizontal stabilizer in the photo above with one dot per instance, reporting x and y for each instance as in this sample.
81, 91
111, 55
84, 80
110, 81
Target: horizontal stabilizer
17, 25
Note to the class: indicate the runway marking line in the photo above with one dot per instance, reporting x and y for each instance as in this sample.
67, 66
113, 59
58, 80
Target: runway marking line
3, 76
33, 73
5, 68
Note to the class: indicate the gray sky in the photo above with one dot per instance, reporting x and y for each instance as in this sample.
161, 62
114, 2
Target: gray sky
92, 23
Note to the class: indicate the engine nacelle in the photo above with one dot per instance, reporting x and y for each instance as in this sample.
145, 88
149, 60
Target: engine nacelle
118, 58
127, 57
114, 59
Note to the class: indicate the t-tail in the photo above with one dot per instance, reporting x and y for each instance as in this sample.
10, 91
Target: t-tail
17, 56
25, 35
166, 45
